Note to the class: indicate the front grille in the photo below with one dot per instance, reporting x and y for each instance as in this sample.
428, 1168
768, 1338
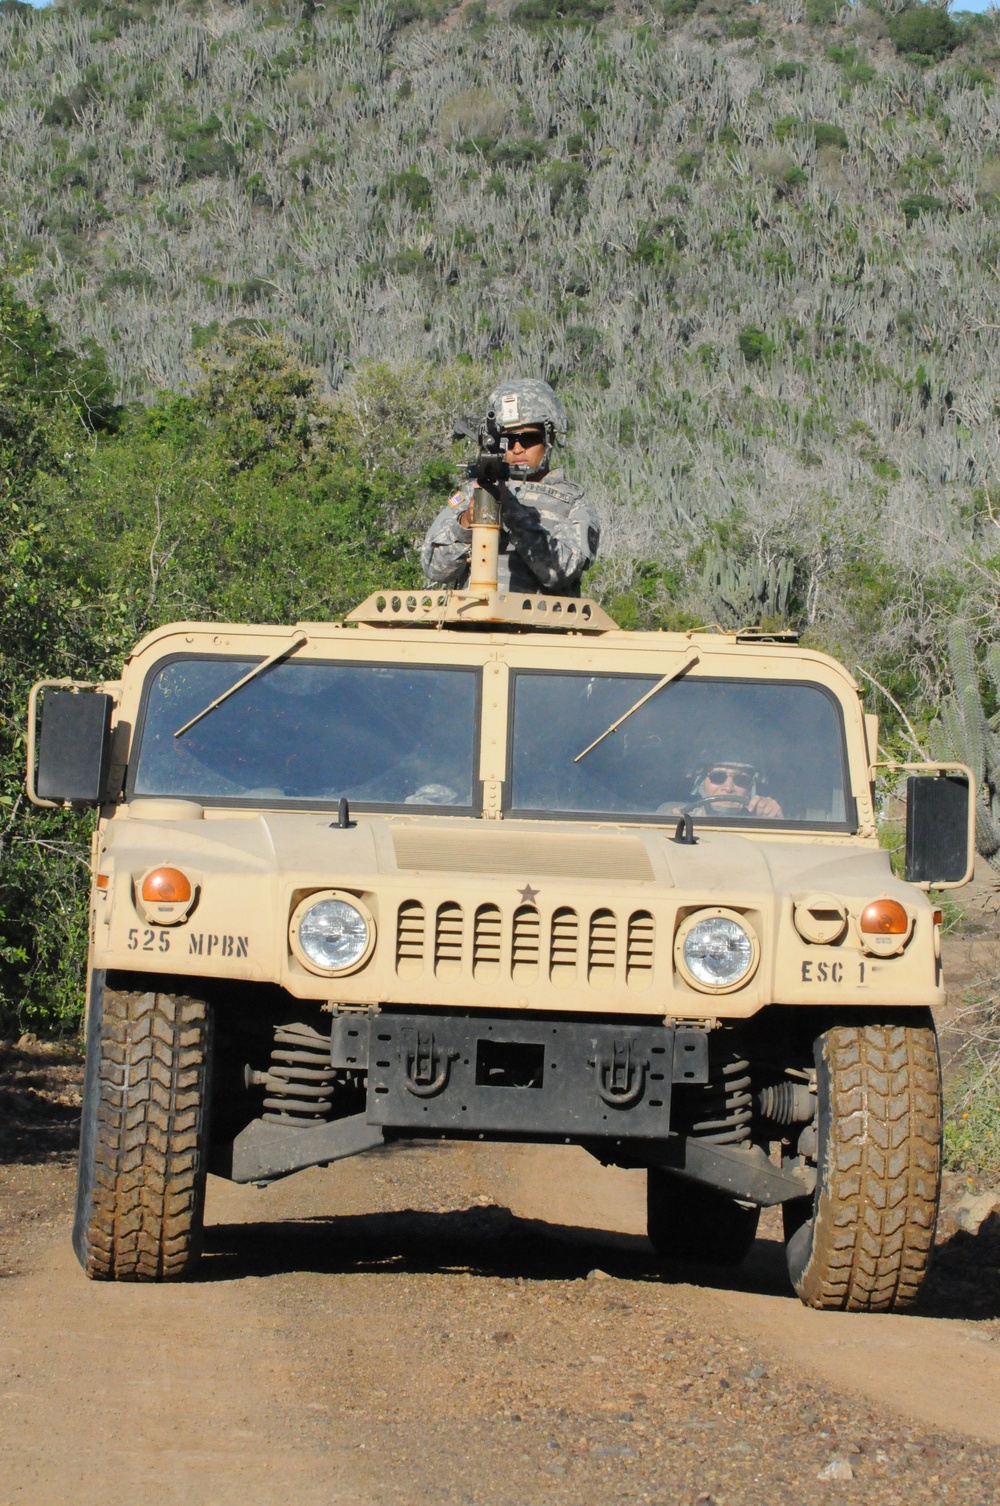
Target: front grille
522, 946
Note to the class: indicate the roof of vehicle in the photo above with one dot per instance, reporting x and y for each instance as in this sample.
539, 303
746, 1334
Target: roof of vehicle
759, 652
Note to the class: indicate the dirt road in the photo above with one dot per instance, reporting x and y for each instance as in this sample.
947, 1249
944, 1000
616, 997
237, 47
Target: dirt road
473, 1325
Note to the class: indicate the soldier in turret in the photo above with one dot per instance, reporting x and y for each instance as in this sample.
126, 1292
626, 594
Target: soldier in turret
549, 530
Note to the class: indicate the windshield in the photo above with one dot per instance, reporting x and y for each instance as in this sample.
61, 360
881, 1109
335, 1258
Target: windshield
304, 732
722, 751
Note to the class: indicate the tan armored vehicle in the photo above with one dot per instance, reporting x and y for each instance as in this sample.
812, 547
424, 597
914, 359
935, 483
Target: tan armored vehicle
477, 867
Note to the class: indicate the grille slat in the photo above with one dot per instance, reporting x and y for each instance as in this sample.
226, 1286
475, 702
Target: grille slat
601, 948
448, 938
525, 944
410, 939
640, 949
564, 946
486, 933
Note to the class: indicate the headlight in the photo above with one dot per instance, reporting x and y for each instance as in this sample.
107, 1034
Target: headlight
331, 933
716, 951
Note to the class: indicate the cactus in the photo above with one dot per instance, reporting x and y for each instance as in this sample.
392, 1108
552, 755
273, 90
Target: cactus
964, 732
744, 591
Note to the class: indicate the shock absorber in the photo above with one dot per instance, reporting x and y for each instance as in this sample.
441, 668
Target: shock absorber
299, 1082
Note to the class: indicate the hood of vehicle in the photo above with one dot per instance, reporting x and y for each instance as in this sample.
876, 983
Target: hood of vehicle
307, 845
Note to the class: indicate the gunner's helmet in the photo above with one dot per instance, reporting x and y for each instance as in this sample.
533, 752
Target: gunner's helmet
526, 400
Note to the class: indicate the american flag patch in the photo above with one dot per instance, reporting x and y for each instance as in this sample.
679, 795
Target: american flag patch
456, 500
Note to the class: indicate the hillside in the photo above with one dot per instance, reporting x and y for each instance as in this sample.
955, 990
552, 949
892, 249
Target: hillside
755, 246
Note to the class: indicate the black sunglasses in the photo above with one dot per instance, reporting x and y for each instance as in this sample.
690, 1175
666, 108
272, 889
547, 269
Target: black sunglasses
526, 438
741, 779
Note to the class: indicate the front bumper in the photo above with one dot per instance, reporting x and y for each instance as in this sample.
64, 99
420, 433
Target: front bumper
513, 1076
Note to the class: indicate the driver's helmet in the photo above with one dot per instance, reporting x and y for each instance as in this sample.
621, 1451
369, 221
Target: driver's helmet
725, 785
529, 401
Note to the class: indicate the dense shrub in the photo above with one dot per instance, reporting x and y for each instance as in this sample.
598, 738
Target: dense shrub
823, 132
413, 187
745, 28
203, 150
926, 29
917, 204
755, 345
559, 12
518, 153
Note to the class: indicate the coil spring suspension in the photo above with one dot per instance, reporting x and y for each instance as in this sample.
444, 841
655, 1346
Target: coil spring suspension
722, 1111
300, 1080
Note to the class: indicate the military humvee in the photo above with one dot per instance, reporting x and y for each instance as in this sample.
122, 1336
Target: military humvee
448, 869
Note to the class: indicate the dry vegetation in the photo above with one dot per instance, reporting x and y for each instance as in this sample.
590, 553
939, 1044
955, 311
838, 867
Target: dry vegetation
757, 252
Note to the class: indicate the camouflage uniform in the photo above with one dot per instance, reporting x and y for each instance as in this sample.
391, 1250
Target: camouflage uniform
548, 536
549, 530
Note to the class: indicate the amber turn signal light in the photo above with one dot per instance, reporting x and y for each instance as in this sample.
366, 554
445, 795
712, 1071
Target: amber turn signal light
885, 917
166, 886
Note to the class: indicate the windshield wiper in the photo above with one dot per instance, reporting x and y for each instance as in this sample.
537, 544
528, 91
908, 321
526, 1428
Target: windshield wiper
258, 669
689, 660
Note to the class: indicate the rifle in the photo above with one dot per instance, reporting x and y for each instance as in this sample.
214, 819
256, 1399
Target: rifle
490, 470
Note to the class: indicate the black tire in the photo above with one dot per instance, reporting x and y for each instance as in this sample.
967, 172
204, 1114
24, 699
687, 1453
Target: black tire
865, 1243
691, 1222
144, 1135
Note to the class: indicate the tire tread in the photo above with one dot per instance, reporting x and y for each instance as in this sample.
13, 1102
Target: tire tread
148, 1174
876, 1208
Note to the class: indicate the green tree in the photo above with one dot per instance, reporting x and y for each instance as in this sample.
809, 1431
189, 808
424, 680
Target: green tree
253, 498
52, 402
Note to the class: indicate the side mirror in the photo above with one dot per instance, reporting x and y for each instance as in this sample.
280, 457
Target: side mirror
940, 830
74, 746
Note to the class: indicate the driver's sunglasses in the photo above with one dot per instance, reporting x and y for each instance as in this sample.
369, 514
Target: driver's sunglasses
526, 438
741, 779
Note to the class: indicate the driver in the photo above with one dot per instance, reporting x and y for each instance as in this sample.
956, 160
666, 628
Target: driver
725, 787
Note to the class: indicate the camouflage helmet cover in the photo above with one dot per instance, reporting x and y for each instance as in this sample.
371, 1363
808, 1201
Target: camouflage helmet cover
528, 401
